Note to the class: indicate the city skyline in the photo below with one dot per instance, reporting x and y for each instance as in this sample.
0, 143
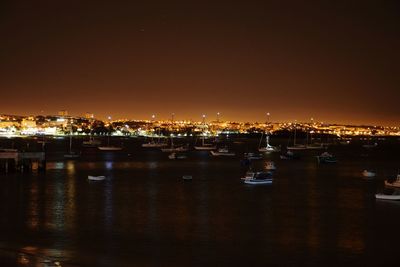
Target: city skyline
336, 62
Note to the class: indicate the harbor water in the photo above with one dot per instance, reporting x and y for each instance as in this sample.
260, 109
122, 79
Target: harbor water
145, 214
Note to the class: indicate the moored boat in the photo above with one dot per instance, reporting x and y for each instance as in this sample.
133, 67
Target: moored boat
175, 149
387, 197
326, 158
91, 143
368, 174
268, 147
252, 156
187, 177
96, 178
222, 152
206, 147
154, 145
370, 145
258, 178
109, 148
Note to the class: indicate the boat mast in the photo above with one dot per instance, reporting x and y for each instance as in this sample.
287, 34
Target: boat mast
70, 137
262, 135
204, 126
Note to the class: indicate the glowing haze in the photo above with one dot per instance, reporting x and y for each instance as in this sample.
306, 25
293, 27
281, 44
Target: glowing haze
336, 61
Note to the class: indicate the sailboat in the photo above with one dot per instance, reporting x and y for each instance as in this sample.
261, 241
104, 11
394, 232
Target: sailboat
205, 146
222, 152
268, 147
108, 147
303, 147
172, 148
153, 144
369, 145
91, 142
71, 154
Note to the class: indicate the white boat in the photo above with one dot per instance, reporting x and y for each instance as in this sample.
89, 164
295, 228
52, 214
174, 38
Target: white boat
109, 148
187, 177
258, 178
152, 144
270, 166
252, 156
222, 152
206, 147
72, 155
369, 174
387, 197
96, 178
268, 147
395, 183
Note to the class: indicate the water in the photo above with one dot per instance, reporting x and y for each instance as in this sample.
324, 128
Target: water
144, 214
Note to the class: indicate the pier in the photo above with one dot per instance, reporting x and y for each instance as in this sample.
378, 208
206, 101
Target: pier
23, 161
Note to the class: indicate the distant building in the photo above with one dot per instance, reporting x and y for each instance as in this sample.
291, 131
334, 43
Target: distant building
7, 124
28, 123
63, 113
89, 115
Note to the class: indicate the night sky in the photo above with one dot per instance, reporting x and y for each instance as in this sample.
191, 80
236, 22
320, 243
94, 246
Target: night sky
335, 61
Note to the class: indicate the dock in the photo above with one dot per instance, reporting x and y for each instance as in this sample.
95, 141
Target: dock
24, 161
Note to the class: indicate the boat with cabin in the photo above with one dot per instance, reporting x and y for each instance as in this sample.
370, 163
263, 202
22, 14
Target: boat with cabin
222, 152
258, 178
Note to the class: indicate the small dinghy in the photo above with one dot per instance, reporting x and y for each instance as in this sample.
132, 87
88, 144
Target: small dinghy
187, 177
368, 174
326, 158
96, 178
252, 156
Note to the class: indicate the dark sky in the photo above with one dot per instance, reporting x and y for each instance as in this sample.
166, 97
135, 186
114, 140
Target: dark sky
335, 61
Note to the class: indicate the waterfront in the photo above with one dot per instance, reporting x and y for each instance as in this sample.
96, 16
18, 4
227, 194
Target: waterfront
144, 214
